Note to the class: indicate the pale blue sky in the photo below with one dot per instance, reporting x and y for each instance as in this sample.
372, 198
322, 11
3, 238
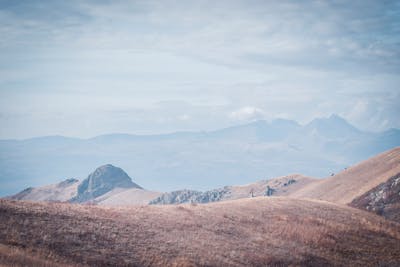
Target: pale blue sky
84, 68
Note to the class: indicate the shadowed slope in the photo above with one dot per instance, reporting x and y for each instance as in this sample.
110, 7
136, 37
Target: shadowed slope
354, 181
384, 199
249, 232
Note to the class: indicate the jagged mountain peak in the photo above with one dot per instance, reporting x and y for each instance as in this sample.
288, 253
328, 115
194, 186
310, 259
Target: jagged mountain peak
333, 119
333, 126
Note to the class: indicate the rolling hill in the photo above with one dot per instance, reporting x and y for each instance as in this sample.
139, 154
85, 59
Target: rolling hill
354, 181
275, 231
62, 191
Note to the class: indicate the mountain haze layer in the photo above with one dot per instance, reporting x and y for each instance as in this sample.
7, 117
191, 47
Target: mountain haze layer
196, 160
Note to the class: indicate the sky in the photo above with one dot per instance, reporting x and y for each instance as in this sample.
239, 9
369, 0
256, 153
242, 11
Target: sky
85, 68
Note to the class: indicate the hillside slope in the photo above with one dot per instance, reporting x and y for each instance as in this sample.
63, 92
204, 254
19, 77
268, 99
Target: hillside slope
233, 155
62, 191
124, 196
261, 231
345, 186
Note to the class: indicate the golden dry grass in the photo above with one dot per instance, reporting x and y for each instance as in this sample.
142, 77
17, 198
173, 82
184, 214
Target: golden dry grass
273, 231
18, 256
355, 181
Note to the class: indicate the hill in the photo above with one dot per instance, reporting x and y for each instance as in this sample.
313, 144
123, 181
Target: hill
62, 191
123, 197
261, 231
354, 181
107, 185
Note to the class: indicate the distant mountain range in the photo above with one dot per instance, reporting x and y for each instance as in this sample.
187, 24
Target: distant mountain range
196, 160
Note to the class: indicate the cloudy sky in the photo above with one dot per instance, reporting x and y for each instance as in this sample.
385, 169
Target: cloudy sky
84, 68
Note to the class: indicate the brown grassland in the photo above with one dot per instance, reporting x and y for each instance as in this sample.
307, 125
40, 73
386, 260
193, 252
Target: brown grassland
262, 231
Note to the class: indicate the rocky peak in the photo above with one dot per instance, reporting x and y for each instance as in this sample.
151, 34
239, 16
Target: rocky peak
104, 179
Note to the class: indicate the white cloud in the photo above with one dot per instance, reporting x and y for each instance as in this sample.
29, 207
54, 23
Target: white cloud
247, 113
359, 110
184, 117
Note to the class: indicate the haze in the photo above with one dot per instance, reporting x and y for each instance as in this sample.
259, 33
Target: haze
84, 68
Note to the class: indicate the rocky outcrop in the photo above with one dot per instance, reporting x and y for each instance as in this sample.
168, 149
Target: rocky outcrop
269, 191
214, 195
191, 196
101, 181
383, 200
176, 197
278, 186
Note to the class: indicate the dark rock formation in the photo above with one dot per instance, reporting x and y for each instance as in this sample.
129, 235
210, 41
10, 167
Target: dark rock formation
191, 196
213, 195
291, 181
269, 191
177, 197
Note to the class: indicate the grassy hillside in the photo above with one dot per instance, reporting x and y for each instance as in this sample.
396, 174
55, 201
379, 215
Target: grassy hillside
355, 181
249, 232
